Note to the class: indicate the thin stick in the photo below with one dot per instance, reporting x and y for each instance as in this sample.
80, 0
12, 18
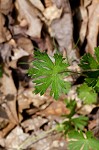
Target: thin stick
35, 139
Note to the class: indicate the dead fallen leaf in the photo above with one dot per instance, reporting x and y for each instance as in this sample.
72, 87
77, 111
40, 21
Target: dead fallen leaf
8, 88
6, 130
52, 12
30, 13
87, 2
93, 27
17, 29
38, 4
18, 53
84, 23
33, 124
26, 97
3, 123
6, 6
5, 51
62, 30
48, 3
15, 138
4, 32
25, 44
55, 108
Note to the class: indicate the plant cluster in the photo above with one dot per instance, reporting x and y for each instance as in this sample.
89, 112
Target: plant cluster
48, 72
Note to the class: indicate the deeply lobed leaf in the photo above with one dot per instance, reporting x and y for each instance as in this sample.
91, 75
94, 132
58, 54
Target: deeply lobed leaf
46, 73
90, 67
87, 94
80, 141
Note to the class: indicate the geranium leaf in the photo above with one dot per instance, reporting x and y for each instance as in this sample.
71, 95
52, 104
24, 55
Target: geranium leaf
90, 67
47, 73
81, 141
87, 94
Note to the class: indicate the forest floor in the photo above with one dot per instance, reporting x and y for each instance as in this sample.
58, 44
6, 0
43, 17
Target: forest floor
72, 28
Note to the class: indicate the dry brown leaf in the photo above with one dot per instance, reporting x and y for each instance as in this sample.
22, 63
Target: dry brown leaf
9, 91
92, 124
13, 43
15, 138
93, 28
55, 108
38, 4
6, 130
62, 30
5, 51
28, 12
27, 97
52, 12
84, 23
48, 3
17, 29
4, 32
60, 3
25, 44
6, 6
3, 122
87, 3
3, 118
33, 124
18, 53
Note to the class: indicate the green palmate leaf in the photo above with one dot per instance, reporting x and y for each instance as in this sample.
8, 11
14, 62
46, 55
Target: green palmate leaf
87, 94
72, 123
81, 141
90, 67
79, 122
47, 73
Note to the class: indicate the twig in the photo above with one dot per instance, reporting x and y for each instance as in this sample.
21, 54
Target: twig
35, 139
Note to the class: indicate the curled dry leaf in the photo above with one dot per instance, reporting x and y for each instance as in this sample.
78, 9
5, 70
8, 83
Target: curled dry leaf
6, 6
30, 14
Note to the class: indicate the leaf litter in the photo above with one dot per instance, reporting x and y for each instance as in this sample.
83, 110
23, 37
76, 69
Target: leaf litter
25, 25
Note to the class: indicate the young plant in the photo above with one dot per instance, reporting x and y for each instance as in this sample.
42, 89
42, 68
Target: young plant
50, 73
71, 121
